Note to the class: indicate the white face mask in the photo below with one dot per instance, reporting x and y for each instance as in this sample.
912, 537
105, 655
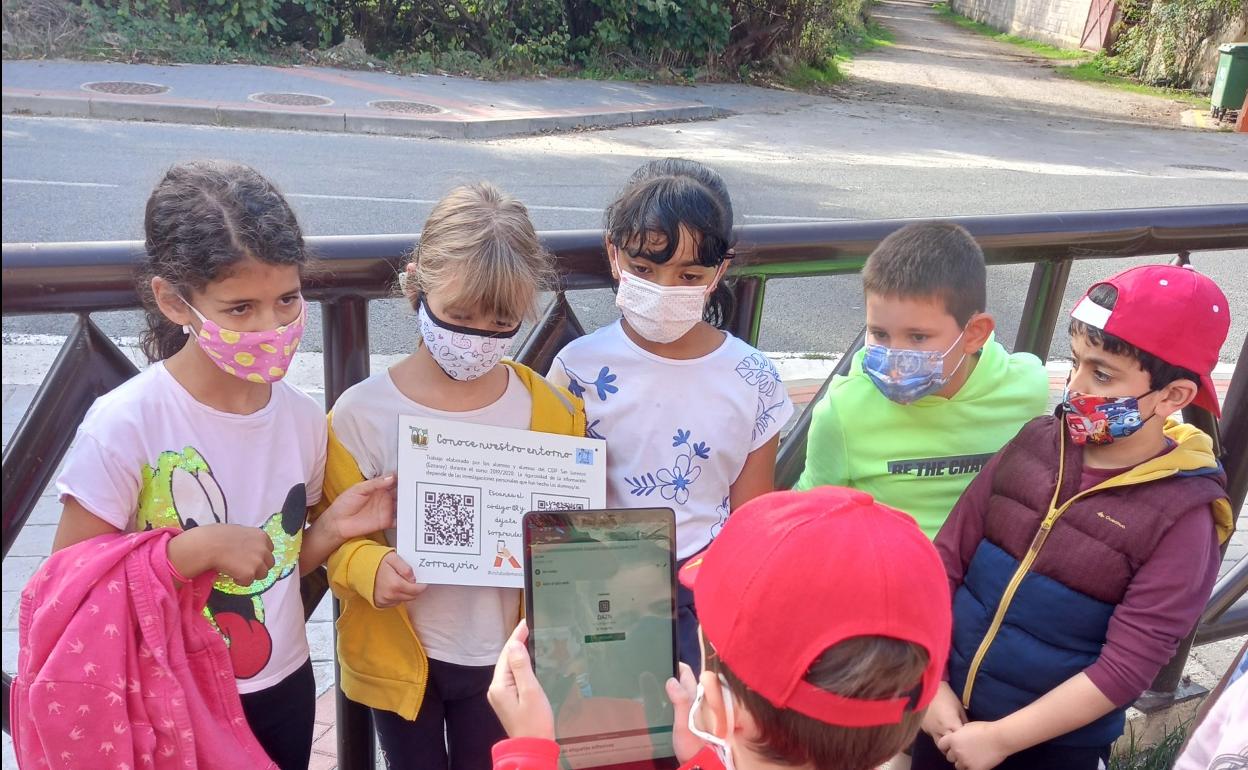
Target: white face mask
722, 750
463, 353
661, 314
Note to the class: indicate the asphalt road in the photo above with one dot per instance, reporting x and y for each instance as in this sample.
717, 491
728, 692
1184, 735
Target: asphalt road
70, 180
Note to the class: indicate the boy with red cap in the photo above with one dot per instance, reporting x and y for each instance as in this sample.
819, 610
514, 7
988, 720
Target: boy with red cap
825, 626
1086, 549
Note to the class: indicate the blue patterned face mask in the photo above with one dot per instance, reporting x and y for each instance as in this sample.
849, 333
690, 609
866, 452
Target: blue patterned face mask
905, 376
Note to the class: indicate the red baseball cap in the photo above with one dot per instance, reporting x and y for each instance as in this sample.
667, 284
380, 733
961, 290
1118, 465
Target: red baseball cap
1175, 313
794, 573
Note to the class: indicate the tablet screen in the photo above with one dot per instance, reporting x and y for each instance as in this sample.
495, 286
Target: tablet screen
601, 609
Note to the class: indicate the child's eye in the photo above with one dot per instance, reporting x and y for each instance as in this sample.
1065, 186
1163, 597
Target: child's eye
640, 269
690, 278
1100, 376
290, 299
238, 310
918, 338
878, 335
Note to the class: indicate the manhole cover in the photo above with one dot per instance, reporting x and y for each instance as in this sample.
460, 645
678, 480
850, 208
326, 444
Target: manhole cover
126, 87
291, 100
1192, 167
408, 108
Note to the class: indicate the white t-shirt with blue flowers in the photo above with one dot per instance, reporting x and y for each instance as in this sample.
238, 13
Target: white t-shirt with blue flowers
678, 432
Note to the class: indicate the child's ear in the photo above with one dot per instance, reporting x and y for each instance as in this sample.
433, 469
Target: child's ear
170, 302
977, 332
714, 713
613, 259
1176, 396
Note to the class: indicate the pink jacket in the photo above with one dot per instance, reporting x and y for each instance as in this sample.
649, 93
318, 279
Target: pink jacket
118, 670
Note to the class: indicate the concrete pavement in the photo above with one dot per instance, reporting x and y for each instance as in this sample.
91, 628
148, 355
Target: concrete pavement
347, 101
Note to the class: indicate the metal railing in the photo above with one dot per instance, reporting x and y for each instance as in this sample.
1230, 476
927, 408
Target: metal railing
83, 278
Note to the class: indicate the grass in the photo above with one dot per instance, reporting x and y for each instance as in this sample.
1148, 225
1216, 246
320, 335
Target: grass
1158, 757
1043, 50
1091, 72
809, 77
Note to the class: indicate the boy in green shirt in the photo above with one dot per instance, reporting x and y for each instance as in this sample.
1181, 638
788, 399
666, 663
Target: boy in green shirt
933, 395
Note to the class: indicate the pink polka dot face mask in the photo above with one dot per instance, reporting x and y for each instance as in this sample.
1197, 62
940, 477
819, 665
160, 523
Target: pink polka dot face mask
253, 356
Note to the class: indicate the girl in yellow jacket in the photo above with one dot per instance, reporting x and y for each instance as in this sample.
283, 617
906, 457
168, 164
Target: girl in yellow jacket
421, 657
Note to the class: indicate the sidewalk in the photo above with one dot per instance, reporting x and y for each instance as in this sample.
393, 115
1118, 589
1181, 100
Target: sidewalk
348, 101
23, 366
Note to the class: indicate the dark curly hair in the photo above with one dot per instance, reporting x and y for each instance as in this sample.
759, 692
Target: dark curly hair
665, 194
202, 219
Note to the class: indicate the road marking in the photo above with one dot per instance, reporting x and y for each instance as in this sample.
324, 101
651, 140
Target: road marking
423, 201
419, 201
55, 183
531, 207
785, 218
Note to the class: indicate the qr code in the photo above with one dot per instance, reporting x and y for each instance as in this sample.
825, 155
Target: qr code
543, 502
449, 518
584, 457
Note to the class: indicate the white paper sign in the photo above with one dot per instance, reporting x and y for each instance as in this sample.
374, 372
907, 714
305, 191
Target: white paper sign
464, 488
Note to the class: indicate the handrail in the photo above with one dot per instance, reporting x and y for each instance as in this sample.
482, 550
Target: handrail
94, 276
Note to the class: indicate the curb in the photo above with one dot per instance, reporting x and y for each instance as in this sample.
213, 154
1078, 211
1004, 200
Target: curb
340, 122
1203, 120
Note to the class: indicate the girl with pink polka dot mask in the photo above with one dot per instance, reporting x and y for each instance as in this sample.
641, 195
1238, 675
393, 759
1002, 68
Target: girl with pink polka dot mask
210, 440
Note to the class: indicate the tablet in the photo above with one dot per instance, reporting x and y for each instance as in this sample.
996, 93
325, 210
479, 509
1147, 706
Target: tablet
600, 599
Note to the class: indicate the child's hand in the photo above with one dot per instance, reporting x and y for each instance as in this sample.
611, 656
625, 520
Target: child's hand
395, 583
945, 714
243, 554
365, 508
515, 693
974, 746
682, 692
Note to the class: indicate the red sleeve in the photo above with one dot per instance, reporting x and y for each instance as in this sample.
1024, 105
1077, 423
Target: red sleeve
526, 754
964, 529
1160, 608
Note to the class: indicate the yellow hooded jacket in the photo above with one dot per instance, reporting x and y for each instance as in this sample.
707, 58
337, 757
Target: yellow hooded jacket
381, 661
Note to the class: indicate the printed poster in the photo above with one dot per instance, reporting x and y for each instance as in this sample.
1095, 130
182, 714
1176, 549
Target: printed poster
464, 488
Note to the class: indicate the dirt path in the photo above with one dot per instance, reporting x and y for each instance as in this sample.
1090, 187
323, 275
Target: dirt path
937, 64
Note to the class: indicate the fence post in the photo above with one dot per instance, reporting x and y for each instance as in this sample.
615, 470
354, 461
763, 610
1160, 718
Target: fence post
344, 324
1042, 307
747, 320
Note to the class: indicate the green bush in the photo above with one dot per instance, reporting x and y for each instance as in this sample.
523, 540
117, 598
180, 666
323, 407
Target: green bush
1160, 39
685, 37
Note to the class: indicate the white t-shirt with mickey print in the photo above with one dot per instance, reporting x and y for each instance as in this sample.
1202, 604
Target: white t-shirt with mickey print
678, 432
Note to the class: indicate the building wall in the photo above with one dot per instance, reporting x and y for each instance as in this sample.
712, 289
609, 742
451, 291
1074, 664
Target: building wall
1053, 21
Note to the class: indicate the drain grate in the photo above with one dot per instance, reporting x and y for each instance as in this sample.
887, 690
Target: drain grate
1194, 167
404, 107
291, 99
125, 87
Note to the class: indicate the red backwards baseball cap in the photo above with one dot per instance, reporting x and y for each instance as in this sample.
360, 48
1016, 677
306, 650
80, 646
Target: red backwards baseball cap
1175, 313
794, 573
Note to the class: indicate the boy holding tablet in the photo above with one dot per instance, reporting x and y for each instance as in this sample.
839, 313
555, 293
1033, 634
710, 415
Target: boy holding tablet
825, 628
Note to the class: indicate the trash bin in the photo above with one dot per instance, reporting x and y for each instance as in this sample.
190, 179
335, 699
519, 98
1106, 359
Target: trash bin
1231, 82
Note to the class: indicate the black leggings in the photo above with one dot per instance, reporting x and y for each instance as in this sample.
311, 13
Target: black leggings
455, 728
282, 716
1046, 756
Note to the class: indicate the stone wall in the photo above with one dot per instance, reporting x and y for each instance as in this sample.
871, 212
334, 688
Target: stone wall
1059, 22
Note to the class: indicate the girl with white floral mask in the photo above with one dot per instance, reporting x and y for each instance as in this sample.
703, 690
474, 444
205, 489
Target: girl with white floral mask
421, 657
691, 414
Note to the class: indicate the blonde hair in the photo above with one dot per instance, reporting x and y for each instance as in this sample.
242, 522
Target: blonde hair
479, 243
